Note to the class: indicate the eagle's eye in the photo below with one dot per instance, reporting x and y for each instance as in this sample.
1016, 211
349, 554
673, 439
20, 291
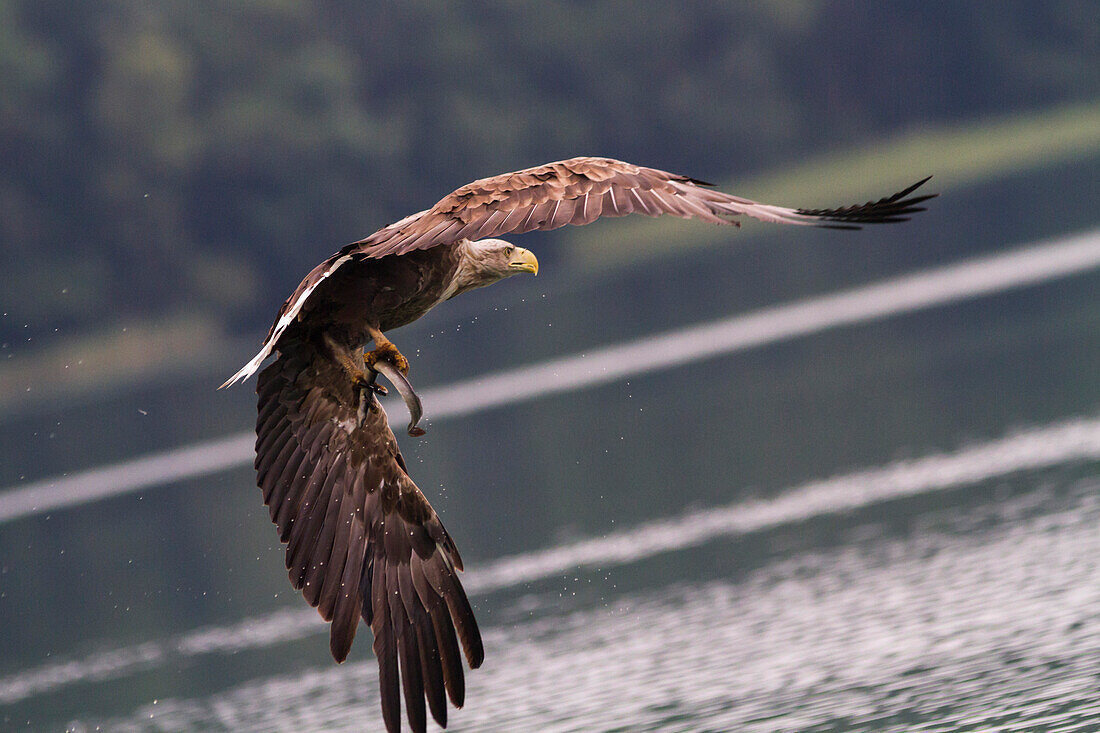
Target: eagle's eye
509, 250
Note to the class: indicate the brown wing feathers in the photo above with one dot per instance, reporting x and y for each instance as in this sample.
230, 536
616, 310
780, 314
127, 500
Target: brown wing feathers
580, 190
361, 538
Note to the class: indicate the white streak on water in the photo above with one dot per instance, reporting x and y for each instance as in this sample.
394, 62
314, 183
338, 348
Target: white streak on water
1053, 445
156, 469
925, 289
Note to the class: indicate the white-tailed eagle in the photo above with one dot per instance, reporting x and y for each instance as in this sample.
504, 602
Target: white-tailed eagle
362, 540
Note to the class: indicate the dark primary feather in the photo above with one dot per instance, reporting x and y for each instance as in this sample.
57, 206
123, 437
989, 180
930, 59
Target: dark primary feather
361, 538
885, 210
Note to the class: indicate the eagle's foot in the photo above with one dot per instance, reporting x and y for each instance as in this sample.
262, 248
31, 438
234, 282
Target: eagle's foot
386, 351
364, 380
368, 381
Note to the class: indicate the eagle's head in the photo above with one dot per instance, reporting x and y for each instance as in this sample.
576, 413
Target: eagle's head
488, 260
499, 259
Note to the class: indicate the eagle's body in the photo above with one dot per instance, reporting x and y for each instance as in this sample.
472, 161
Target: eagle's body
362, 540
388, 293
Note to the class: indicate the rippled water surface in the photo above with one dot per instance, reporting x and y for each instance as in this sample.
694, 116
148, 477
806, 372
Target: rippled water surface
986, 618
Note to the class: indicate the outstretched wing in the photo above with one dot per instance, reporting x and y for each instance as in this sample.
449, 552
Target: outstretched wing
362, 540
575, 191
580, 190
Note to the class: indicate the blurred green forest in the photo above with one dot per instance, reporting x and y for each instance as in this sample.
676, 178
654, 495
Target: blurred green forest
168, 158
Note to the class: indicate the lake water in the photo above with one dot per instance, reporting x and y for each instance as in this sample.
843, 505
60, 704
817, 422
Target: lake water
888, 526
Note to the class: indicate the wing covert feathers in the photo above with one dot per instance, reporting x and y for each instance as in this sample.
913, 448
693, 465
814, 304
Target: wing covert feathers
362, 540
580, 190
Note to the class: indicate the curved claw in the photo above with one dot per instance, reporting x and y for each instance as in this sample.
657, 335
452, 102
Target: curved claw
405, 389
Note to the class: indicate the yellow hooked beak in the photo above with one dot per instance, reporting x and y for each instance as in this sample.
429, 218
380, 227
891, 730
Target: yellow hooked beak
524, 260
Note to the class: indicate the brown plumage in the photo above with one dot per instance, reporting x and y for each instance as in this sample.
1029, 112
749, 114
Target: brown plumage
580, 190
362, 540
